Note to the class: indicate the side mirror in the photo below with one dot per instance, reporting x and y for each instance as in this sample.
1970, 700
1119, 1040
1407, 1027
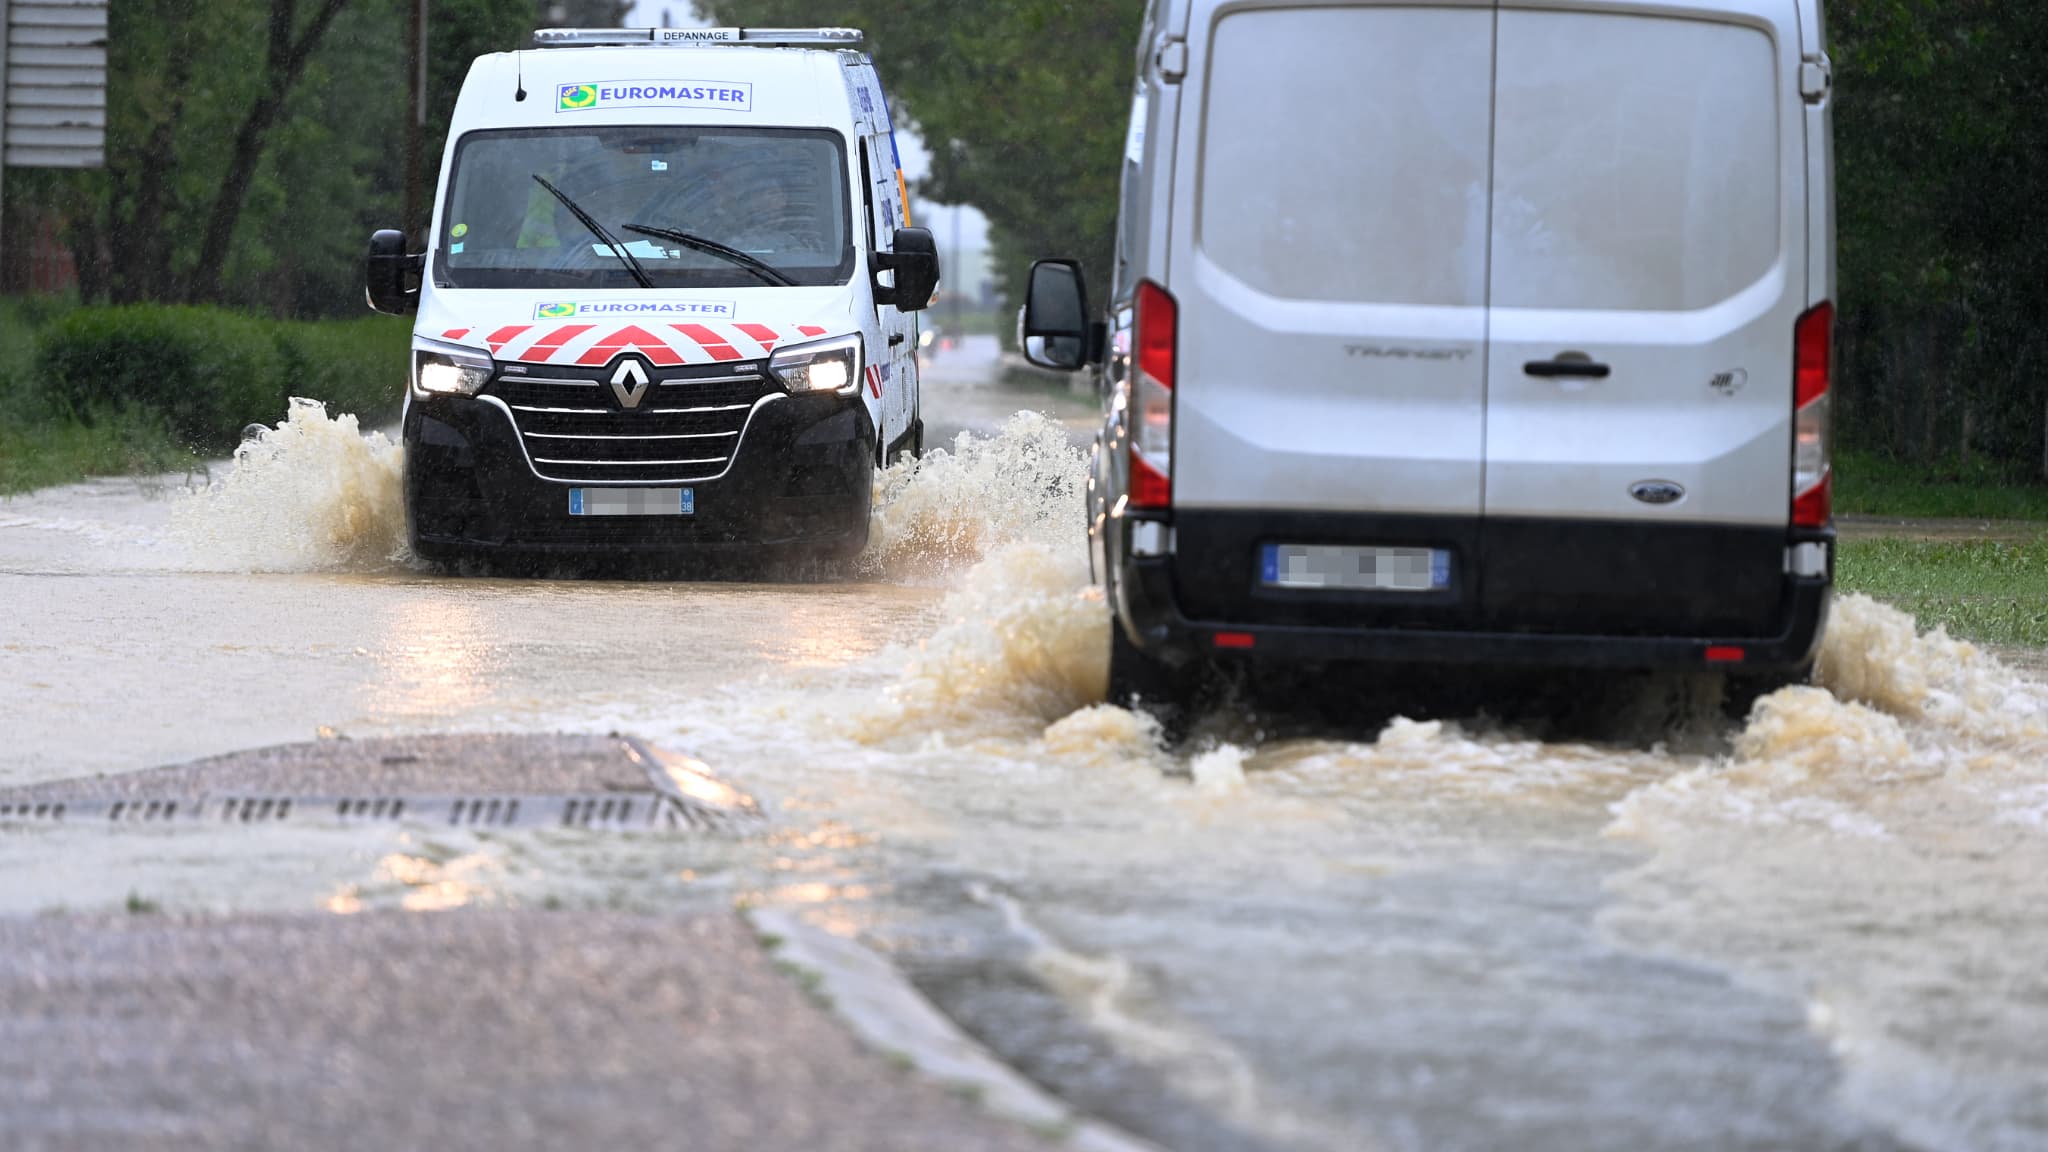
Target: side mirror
390, 275
1053, 328
914, 260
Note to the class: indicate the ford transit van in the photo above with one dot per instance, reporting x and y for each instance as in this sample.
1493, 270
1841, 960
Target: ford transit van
666, 300
1492, 333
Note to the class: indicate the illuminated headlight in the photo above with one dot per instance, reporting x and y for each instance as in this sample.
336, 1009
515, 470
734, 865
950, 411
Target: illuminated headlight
449, 374
825, 366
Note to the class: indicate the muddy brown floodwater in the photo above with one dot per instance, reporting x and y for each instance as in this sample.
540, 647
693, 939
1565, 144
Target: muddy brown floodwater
1822, 929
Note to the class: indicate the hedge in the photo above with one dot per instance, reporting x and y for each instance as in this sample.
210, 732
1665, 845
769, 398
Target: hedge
209, 373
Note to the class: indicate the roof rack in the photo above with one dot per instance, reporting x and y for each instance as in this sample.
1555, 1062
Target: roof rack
700, 37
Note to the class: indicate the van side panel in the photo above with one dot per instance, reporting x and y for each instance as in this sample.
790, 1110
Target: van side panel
1820, 163
1650, 215
1329, 258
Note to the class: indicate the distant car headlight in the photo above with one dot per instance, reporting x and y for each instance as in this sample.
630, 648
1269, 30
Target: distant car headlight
450, 374
822, 366
925, 337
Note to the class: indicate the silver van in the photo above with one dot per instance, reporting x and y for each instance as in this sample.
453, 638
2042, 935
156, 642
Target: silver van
1492, 333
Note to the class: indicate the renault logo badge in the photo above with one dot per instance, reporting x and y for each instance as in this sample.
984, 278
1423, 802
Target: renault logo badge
629, 370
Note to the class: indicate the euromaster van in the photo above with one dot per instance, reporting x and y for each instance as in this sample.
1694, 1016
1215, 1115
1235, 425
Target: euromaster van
666, 303
1465, 332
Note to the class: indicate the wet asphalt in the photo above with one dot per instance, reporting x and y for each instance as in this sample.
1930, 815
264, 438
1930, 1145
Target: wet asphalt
452, 1031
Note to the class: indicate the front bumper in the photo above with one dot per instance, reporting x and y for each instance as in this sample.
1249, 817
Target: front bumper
801, 475
1526, 603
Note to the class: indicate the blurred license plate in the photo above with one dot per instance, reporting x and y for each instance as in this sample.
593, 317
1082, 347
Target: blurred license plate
632, 502
1336, 568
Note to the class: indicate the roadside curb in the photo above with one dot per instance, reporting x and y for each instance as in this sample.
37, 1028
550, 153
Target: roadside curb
890, 1016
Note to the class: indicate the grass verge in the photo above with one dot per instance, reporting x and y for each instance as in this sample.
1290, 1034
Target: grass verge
1867, 484
1989, 591
115, 391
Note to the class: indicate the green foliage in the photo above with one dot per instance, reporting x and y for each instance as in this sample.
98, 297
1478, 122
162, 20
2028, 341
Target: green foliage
39, 452
356, 366
1867, 484
1985, 590
183, 77
1942, 159
208, 373
1024, 104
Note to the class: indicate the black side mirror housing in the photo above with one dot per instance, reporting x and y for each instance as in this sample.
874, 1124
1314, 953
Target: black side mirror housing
390, 275
914, 260
1053, 327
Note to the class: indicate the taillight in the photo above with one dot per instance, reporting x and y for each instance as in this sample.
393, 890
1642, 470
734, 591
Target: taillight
1813, 374
1158, 334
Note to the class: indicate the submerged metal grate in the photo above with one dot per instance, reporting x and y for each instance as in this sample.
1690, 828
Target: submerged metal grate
681, 796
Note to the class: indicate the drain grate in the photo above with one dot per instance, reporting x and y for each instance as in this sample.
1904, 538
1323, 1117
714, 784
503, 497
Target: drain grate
682, 796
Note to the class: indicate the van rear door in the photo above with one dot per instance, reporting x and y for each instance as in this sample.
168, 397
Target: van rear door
1328, 256
1649, 261
1648, 273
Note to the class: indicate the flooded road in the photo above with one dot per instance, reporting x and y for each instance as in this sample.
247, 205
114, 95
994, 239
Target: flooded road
1821, 930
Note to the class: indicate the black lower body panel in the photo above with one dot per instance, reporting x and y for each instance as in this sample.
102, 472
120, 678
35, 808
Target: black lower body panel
1568, 592
801, 477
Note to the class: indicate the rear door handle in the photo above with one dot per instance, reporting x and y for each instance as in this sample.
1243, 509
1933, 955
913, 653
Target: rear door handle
1568, 368
896, 339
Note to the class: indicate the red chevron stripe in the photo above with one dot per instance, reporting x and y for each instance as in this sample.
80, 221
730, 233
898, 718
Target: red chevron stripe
504, 336
810, 330
760, 334
545, 348
455, 334
712, 342
636, 338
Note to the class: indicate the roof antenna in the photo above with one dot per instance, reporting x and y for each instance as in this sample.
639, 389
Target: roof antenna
519, 69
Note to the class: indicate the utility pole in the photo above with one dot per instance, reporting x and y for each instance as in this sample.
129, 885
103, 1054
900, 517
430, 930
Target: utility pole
416, 129
959, 275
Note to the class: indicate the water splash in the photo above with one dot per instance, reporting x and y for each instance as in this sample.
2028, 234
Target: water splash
951, 508
313, 494
1025, 642
1870, 845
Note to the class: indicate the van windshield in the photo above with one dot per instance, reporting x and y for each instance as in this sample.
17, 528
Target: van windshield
776, 195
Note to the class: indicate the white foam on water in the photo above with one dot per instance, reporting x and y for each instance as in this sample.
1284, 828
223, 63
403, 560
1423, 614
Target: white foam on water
1024, 643
948, 510
1878, 845
313, 494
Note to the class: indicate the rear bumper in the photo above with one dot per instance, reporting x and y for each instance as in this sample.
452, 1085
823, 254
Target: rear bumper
801, 476
1670, 604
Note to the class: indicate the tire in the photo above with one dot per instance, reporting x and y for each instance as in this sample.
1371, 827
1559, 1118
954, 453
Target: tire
1138, 679
1739, 696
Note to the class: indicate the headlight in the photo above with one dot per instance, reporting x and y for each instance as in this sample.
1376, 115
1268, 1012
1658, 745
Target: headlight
450, 374
825, 366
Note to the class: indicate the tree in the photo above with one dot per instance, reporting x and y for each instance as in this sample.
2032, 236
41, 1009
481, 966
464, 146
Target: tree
225, 187
289, 50
1023, 103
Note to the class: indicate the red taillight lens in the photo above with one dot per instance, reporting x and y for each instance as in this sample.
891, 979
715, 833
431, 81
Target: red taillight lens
1814, 356
1813, 371
1151, 416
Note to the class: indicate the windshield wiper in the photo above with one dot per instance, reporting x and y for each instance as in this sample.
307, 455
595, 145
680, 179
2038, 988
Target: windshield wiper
610, 241
754, 264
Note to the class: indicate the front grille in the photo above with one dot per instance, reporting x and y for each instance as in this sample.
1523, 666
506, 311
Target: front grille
686, 428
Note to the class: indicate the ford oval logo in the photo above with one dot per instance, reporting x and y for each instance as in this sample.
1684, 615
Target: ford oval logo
1658, 492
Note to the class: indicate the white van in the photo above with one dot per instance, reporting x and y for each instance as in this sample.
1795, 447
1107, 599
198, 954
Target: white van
666, 303
1469, 331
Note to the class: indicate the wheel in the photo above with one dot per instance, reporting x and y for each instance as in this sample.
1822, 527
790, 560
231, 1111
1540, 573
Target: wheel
1740, 695
1140, 679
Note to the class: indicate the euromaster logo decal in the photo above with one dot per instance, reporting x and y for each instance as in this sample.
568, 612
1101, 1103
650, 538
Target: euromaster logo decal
680, 309
721, 95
